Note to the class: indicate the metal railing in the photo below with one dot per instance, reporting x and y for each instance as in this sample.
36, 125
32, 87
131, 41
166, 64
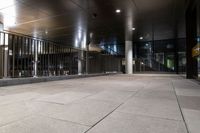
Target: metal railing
26, 56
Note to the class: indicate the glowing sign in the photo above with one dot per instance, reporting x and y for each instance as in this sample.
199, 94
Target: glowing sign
196, 50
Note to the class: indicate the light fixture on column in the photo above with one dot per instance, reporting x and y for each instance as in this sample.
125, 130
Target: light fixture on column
133, 28
141, 38
118, 11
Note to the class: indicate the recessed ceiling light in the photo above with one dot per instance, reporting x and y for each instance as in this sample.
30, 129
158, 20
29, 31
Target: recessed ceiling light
118, 11
133, 28
141, 38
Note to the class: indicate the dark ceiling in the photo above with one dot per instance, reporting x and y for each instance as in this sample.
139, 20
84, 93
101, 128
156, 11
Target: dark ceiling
65, 19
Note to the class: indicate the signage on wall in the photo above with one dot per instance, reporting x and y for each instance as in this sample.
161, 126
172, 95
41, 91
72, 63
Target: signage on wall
196, 49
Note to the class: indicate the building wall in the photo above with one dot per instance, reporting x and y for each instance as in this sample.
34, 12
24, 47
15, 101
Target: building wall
100, 63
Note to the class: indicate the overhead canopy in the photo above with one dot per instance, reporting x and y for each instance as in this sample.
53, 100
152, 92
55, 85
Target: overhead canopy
67, 20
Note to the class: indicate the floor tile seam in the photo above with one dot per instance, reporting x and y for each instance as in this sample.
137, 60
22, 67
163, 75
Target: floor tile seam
15, 121
15, 103
34, 98
105, 100
111, 112
136, 92
51, 117
23, 100
192, 82
72, 102
190, 109
180, 108
98, 99
151, 116
156, 98
188, 96
135, 96
76, 103
102, 119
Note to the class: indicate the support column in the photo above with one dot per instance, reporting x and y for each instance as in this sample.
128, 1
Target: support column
1, 62
4, 52
35, 62
87, 60
129, 44
191, 35
80, 62
129, 57
5, 62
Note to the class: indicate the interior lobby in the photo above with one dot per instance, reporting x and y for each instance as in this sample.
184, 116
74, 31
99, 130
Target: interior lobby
99, 66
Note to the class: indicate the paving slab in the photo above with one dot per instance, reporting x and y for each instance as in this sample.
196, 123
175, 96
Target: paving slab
161, 108
86, 112
64, 98
114, 96
128, 123
192, 118
13, 98
39, 124
13, 112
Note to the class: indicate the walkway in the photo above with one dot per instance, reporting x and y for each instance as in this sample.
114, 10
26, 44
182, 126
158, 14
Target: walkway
108, 104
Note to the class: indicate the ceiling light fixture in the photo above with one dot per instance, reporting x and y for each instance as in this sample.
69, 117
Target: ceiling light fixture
141, 38
118, 11
133, 28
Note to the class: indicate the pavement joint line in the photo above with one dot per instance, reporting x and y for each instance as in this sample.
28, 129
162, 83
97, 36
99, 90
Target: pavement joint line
180, 108
61, 120
114, 110
42, 101
18, 120
150, 116
74, 101
102, 118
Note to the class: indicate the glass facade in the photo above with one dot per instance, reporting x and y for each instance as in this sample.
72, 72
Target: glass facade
161, 55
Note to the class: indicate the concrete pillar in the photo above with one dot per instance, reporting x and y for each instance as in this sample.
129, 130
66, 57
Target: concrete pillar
87, 60
80, 62
4, 50
35, 62
129, 57
5, 61
128, 42
1, 62
129, 46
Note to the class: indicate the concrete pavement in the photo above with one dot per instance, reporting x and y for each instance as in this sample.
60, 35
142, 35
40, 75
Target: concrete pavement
142, 103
